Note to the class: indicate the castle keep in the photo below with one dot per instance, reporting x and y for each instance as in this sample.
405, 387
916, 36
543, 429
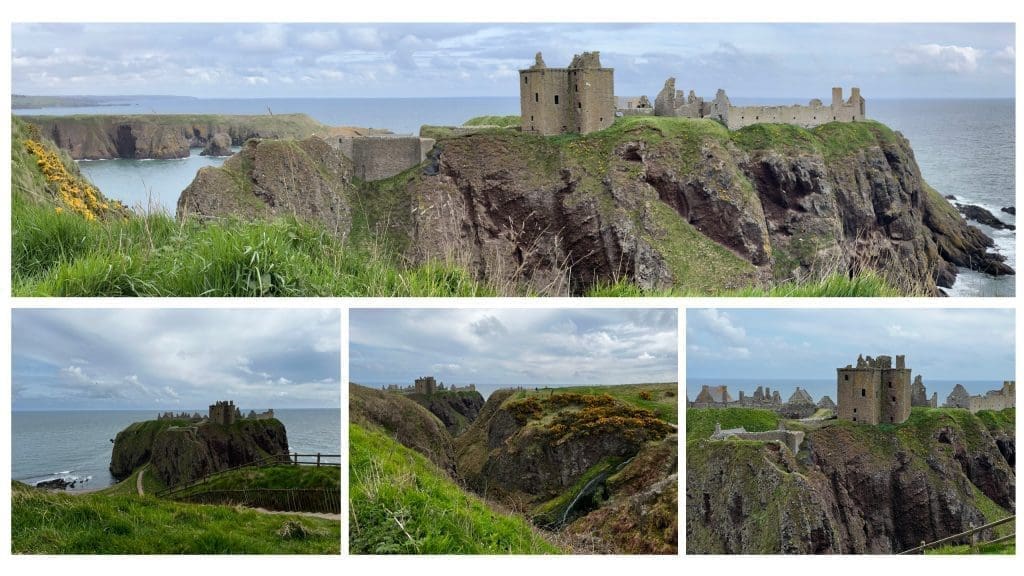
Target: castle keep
874, 391
580, 98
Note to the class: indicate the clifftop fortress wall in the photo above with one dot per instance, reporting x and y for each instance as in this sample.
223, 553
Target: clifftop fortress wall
376, 157
580, 98
672, 102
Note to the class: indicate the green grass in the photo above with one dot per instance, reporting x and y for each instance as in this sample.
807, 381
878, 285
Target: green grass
700, 422
867, 284
401, 503
663, 397
272, 477
1008, 547
503, 121
96, 523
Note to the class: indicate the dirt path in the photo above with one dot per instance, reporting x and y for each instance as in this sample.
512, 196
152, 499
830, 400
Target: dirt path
138, 482
323, 515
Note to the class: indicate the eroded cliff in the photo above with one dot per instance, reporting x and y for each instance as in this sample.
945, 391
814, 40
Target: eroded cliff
852, 488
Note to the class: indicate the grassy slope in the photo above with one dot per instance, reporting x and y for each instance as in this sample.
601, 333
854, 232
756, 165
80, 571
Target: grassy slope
700, 422
53, 523
503, 121
400, 503
273, 477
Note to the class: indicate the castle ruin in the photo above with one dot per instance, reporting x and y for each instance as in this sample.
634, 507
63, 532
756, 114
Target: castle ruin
919, 395
224, 412
580, 98
874, 391
380, 156
1005, 397
426, 385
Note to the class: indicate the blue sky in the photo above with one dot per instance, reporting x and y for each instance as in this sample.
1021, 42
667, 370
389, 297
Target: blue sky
465, 59
940, 344
533, 347
67, 359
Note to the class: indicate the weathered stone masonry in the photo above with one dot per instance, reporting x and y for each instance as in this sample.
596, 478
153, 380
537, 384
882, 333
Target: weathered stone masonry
580, 98
874, 391
378, 157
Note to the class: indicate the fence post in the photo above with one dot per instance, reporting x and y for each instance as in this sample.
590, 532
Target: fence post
317, 459
974, 539
296, 458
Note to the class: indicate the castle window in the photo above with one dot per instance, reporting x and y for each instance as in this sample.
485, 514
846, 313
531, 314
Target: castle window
579, 105
526, 79
854, 410
531, 118
815, 117
863, 392
890, 384
757, 117
556, 98
577, 86
833, 117
536, 97
846, 377
854, 418
891, 420
602, 119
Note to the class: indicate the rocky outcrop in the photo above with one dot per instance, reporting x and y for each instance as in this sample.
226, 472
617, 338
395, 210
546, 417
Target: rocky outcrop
857, 489
640, 514
409, 423
645, 202
219, 145
528, 451
983, 216
164, 136
456, 410
180, 451
307, 179
183, 454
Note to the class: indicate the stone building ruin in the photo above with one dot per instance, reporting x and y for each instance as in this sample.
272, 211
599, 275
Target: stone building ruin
791, 439
1005, 397
579, 98
426, 385
919, 395
380, 156
224, 412
874, 391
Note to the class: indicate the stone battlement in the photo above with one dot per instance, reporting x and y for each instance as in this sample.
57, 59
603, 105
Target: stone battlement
380, 156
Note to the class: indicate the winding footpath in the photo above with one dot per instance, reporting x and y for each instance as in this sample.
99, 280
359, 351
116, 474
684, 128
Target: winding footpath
138, 482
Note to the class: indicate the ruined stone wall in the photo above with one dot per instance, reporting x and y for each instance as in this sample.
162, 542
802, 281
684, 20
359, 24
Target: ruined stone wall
995, 399
379, 157
814, 114
580, 98
894, 394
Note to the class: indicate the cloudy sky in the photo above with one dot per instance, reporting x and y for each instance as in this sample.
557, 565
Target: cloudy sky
939, 344
511, 346
69, 359
418, 60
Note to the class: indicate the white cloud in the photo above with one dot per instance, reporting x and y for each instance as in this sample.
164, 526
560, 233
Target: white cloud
720, 324
952, 58
267, 38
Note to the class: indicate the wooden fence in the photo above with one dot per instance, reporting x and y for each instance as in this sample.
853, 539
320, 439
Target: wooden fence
971, 537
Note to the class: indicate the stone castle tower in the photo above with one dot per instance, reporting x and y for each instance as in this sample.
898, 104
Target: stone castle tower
580, 98
426, 385
223, 412
874, 392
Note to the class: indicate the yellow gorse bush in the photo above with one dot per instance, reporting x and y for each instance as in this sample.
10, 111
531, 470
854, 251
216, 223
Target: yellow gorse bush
74, 192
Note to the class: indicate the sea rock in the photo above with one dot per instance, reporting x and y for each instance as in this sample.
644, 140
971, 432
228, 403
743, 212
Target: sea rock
56, 484
219, 145
307, 179
983, 216
1009, 210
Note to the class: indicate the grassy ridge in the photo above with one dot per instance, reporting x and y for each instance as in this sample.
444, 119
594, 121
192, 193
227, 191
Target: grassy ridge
700, 422
54, 523
503, 121
400, 503
273, 477
660, 398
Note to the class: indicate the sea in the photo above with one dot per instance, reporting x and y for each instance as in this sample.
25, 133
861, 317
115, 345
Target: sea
826, 387
964, 147
76, 445
486, 390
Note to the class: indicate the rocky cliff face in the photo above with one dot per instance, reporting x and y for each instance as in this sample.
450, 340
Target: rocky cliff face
527, 451
645, 199
663, 202
307, 179
409, 423
188, 453
164, 136
456, 410
852, 488
179, 451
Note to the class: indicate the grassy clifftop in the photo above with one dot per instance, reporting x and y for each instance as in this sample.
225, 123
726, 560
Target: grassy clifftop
53, 523
400, 503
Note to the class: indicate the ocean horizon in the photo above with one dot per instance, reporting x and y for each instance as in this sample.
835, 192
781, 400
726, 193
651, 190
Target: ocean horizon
818, 387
